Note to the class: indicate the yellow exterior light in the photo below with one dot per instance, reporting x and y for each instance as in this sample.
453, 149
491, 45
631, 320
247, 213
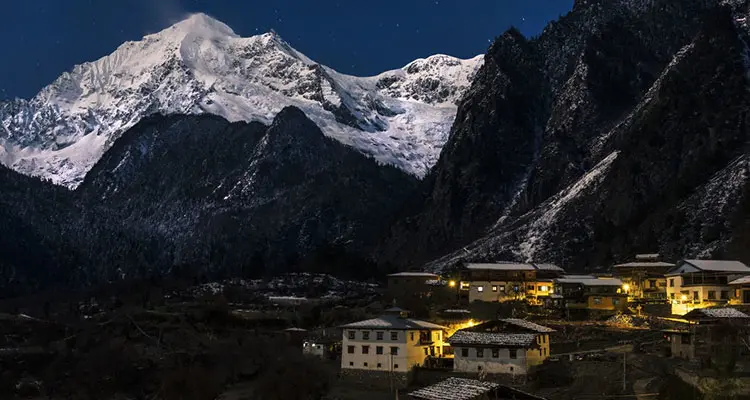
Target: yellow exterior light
471, 323
626, 287
683, 297
452, 283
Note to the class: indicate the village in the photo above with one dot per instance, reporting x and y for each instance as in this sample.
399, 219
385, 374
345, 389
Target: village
506, 330
646, 329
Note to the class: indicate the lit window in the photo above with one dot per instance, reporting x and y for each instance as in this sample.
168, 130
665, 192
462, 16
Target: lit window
597, 300
480, 289
494, 288
544, 288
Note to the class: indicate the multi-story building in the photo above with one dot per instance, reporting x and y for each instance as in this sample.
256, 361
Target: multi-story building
695, 284
391, 343
405, 286
508, 281
587, 293
643, 279
506, 346
740, 291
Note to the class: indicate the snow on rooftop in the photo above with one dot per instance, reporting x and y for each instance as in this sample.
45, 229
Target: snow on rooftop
455, 389
528, 325
645, 264
470, 338
548, 267
393, 322
719, 265
727, 312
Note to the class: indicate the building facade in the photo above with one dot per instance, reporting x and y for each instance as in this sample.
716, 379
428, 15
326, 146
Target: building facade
591, 294
498, 282
693, 284
643, 279
740, 291
506, 346
390, 343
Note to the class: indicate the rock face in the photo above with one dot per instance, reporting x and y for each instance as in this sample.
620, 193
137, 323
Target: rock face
621, 129
400, 117
247, 198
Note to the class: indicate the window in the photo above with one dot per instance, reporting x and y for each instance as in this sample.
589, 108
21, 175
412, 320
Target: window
379, 335
495, 353
685, 339
597, 300
615, 301
464, 352
502, 288
737, 293
530, 288
671, 282
351, 335
365, 349
437, 335
395, 366
480, 353
426, 352
365, 335
411, 336
712, 295
351, 363
394, 335
380, 365
394, 350
724, 294
494, 288
350, 349
544, 288
365, 364
652, 284
513, 353
480, 289
696, 296
379, 350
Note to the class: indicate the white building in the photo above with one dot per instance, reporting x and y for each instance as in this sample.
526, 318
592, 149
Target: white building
695, 284
506, 346
505, 281
390, 343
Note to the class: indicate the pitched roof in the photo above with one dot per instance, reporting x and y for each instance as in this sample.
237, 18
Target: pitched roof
548, 267
591, 281
492, 339
455, 389
501, 266
415, 275
711, 313
741, 281
719, 265
528, 325
393, 322
645, 264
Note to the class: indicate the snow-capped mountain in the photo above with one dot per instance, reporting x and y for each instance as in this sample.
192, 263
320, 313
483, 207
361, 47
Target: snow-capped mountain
400, 117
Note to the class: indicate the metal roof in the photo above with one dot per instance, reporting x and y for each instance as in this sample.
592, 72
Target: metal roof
645, 264
464, 337
719, 265
548, 267
741, 281
455, 389
501, 266
591, 281
393, 322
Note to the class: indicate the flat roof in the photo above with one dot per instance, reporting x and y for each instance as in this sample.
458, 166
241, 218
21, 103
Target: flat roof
455, 389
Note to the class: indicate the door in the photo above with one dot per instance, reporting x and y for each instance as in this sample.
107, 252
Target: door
746, 296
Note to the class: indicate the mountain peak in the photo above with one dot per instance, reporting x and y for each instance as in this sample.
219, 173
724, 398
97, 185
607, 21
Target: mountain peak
204, 25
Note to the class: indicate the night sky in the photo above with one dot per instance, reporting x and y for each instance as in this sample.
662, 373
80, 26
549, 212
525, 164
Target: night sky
43, 38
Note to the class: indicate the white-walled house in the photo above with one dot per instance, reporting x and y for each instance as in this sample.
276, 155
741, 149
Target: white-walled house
506, 346
695, 284
390, 343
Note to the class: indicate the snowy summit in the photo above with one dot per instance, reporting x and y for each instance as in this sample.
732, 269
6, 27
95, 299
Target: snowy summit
199, 65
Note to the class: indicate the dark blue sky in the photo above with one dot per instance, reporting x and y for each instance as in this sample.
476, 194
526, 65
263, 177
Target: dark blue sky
43, 38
